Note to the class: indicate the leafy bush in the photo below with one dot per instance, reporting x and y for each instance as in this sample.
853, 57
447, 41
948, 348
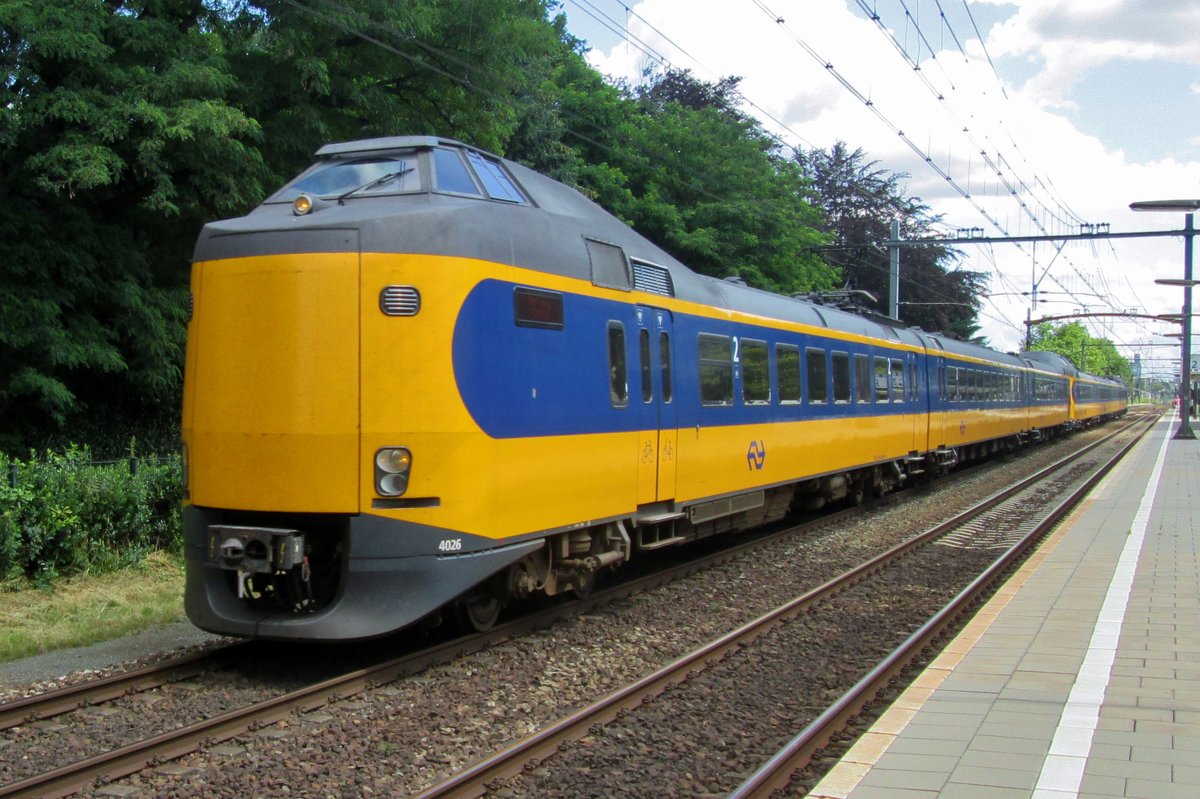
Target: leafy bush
63, 513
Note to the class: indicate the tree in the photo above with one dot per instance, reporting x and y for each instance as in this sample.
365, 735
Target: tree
318, 71
126, 125
676, 160
118, 143
860, 200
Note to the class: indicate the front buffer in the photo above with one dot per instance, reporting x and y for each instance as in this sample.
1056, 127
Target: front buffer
374, 577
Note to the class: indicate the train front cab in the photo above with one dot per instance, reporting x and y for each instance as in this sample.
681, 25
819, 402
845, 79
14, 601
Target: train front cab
299, 433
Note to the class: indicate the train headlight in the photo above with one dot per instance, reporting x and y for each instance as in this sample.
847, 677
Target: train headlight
391, 470
302, 205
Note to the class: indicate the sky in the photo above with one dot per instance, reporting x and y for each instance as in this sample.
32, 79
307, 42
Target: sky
1022, 118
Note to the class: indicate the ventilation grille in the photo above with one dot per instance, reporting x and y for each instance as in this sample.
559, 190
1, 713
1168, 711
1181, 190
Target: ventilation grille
652, 279
400, 301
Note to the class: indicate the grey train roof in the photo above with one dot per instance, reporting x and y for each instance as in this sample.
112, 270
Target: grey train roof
547, 236
1050, 362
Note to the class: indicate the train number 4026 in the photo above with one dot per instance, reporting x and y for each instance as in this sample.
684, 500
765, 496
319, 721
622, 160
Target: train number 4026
450, 545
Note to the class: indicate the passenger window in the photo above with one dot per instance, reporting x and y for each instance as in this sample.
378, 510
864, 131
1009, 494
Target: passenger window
664, 356
862, 379
716, 369
881, 380
451, 173
618, 379
897, 381
818, 391
787, 365
841, 377
756, 374
914, 384
952, 383
647, 373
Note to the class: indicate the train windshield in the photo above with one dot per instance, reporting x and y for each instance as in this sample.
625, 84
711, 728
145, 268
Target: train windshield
361, 176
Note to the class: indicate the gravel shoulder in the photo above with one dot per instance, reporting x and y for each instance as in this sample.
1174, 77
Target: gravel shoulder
18, 674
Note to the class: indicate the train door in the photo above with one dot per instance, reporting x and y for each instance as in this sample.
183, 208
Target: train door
658, 444
918, 392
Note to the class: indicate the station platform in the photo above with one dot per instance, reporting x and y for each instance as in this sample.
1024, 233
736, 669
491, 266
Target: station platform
1080, 677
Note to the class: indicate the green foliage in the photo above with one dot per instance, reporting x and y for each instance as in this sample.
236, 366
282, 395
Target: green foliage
324, 71
1097, 356
66, 514
675, 159
118, 142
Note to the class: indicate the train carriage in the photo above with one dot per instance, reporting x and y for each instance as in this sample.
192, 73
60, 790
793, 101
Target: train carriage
979, 403
422, 377
1048, 391
1096, 399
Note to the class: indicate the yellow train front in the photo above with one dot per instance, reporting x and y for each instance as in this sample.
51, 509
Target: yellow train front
337, 483
422, 378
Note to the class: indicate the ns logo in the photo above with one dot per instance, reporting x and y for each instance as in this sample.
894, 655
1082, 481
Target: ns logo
756, 455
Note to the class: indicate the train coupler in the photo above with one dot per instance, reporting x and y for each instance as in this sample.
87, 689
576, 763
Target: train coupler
268, 551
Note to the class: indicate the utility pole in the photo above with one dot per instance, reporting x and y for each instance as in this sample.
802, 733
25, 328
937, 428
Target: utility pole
894, 271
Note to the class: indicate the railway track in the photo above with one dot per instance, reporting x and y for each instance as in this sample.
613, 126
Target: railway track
112, 765
1011, 519
1004, 514
157, 749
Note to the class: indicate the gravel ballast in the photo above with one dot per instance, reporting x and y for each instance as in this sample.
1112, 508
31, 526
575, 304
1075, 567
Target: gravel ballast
404, 736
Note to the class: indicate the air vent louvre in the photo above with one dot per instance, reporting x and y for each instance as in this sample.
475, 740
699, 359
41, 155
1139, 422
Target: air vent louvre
400, 301
652, 279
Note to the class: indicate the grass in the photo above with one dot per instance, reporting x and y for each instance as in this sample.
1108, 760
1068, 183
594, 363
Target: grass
88, 608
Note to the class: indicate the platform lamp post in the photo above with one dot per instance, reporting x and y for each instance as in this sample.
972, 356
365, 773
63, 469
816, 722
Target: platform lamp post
1188, 208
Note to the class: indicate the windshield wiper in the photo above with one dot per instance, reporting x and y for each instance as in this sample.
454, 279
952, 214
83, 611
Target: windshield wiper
370, 184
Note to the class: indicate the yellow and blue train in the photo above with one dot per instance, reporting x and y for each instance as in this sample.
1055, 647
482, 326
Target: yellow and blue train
422, 377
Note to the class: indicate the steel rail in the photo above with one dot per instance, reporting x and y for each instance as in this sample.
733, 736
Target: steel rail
509, 762
797, 755
72, 697
117, 763
134, 757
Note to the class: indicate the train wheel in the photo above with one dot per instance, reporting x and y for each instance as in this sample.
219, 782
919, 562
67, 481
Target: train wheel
584, 586
479, 611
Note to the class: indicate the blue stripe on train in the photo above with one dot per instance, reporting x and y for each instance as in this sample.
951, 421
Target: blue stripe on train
520, 382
